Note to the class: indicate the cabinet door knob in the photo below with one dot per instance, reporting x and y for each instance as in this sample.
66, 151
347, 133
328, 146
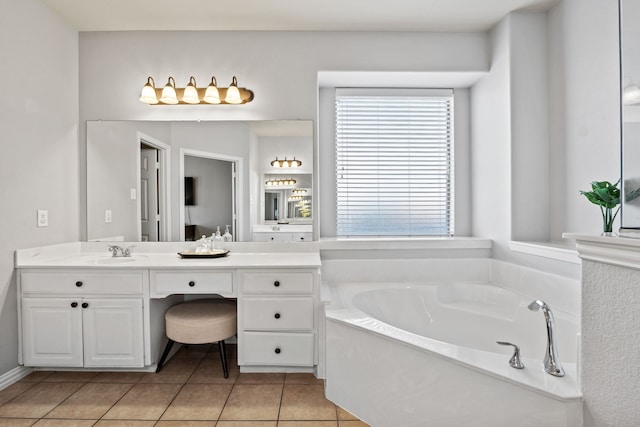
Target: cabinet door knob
276, 283
277, 350
192, 283
302, 238
74, 304
78, 283
273, 238
277, 315
85, 304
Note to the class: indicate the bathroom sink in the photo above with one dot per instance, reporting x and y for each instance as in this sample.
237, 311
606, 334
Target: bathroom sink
107, 260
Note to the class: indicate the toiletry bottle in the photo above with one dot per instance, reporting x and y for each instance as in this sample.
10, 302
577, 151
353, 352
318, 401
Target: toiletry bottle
201, 245
227, 236
217, 239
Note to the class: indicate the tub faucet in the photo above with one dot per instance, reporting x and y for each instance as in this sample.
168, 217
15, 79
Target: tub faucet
551, 362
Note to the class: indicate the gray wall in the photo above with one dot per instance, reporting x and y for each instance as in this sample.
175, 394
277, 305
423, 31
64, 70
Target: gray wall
39, 139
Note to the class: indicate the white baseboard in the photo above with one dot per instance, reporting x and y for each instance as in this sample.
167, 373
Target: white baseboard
13, 376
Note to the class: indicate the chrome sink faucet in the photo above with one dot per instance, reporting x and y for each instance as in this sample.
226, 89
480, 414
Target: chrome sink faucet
124, 252
551, 362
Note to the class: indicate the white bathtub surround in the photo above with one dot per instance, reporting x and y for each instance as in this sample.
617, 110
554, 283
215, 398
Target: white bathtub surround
611, 329
424, 353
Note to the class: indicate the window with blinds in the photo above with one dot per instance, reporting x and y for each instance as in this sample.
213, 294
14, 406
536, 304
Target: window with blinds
394, 162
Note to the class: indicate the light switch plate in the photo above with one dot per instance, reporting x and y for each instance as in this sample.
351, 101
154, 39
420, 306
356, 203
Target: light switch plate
107, 216
43, 218
132, 194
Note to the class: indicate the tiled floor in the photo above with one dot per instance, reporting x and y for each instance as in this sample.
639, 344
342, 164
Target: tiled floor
189, 391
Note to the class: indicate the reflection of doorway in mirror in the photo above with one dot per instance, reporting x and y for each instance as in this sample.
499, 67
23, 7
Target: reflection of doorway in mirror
214, 196
151, 194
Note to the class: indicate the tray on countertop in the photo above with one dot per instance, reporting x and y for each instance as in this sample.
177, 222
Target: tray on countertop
211, 254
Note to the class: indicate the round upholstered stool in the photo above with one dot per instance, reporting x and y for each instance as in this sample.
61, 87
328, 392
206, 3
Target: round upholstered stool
201, 321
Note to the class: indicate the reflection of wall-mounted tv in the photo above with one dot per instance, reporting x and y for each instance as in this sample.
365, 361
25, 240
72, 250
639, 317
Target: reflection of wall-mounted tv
189, 191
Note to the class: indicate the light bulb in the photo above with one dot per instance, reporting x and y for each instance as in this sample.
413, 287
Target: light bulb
148, 94
211, 95
169, 93
233, 94
190, 95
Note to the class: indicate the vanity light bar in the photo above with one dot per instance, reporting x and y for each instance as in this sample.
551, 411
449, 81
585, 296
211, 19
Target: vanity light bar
286, 163
192, 95
299, 191
279, 182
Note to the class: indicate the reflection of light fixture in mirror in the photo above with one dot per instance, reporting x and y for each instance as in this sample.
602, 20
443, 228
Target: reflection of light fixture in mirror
193, 95
286, 163
631, 95
169, 95
294, 198
299, 191
279, 182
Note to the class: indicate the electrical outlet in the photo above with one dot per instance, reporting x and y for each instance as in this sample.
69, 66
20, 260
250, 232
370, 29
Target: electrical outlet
107, 216
133, 194
43, 218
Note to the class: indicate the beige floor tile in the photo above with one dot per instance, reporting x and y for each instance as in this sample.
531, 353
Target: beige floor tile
16, 422
124, 423
176, 371
345, 415
185, 424
36, 376
38, 400
246, 424
14, 390
307, 423
193, 351
232, 351
144, 402
91, 401
352, 423
302, 378
306, 402
64, 423
253, 402
209, 371
70, 377
260, 378
198, 402
118, 377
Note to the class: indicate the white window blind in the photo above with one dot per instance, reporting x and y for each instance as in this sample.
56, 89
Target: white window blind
394, 163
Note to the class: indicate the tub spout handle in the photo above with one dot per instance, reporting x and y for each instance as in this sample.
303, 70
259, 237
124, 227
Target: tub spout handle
515, 361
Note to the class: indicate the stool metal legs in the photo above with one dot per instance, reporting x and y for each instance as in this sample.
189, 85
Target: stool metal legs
223, 356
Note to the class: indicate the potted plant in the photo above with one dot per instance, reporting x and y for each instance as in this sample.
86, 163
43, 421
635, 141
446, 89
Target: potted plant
607, 196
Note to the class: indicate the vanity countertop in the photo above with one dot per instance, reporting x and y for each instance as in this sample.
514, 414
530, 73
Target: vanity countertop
88, 255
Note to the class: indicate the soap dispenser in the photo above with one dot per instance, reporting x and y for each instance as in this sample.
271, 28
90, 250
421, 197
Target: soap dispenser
217, 239
227, 236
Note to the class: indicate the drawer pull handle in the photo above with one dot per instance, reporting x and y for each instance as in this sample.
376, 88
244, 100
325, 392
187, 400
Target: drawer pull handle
302, 238
276, 283
85, 304
192, 283
277, 350
277, 315
78, 283
273, 238
74, 304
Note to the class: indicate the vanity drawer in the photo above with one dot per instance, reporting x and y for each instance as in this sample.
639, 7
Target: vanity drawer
278, 314
274, 282
82, 282
272, 237
302, 237
165, 283
268, 348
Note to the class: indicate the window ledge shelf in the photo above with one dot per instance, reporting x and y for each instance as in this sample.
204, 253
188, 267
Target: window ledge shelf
406, 243
554, 250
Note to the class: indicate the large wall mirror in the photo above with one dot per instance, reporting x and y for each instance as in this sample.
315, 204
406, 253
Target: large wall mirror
176, 181
630, 82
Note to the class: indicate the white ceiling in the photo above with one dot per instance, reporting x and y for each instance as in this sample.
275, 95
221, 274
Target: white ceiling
290, 15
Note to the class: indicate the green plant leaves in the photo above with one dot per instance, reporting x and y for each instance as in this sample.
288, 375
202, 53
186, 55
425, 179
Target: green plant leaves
604, 194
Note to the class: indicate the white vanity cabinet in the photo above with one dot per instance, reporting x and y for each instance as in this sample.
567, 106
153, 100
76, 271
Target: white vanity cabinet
82, 318
276, 318
279, 236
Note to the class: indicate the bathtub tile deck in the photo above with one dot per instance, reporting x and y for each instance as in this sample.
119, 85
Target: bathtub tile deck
190, 391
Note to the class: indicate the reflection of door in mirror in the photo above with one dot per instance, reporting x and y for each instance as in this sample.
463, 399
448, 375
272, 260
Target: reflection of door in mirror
271, 205
149, 197
214, 196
